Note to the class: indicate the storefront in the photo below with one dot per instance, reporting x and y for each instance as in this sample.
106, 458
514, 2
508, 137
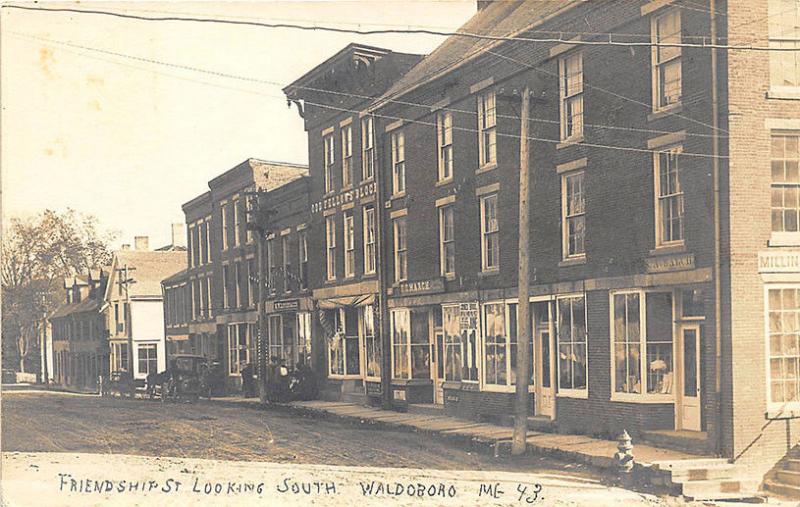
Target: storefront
289, 331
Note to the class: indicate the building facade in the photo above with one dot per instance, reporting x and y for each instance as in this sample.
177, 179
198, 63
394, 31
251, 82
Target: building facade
663, 240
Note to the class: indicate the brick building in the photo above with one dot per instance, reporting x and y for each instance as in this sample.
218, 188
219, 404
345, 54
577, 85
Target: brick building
664, 218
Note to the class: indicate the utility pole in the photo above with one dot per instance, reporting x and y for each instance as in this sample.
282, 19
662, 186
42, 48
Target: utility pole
519, 442
124, 280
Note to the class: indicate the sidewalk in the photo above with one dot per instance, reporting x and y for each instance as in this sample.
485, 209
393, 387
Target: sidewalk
574, 448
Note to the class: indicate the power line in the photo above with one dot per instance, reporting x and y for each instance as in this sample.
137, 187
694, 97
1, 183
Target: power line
411, 31
321, 90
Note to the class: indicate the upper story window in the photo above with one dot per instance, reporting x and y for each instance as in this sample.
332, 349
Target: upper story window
400, 250
226, 280
784, 33
347, 156
287, 263
237, 222
398, 163
573, 218
669, 198
224, 216
204, 226
444, 135
367, 149
666, 30
271, 285
447, 243
329, 159
785, 182
190, 249
490, 234
207, 255
349, 245
369, 240
571, 89
487, 128
330, 247
197, 236
302, 241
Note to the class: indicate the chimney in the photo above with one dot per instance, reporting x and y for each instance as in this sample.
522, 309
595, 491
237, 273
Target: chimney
178, 236
141, 243
126, 246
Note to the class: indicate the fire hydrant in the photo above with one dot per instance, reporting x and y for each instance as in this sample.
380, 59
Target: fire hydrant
624, 455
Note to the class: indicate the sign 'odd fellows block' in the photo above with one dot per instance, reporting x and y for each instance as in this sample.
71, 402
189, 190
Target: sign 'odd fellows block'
348, 196
779, 262
432, 286
667, 263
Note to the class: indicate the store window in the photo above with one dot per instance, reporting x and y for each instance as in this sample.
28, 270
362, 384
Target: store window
495, 344
487, 128
420, 345
304, 338
147, 358
372, 344
571, 79
453, 347
784, 34
666, 31
784, 351
572, 338
238, 348
642, 342
343, 348
401, 331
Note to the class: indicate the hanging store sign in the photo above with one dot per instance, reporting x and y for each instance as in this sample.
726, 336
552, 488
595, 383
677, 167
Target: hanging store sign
670, 263
778, 262
432, 286
353, 195
288, 305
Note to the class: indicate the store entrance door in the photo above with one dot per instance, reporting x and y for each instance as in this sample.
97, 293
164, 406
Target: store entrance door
542, 316
437, 367
688, 413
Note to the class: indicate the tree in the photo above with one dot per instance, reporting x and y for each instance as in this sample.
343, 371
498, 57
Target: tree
37, 254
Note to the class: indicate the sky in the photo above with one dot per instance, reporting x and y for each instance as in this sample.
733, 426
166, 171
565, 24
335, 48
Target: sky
101, 114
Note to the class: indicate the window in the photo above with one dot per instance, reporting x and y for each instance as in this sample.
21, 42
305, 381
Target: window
495, 344
237, 273
147, 358
669, 198
196, 238
369, 240
196, 298
487, 128
401, 331
400, 250
237, 222
303, 247
329, 159
571, 79
287, 264
784, 352
784, 33
367, 149
571, 336
209, 299
666, 29
120, 357
272, 286
642, 342
347, 156
238, 348
252, 281
349, 245
490, 236
224, 214
204, 242
444, 135
226, 280
330, 235
190, 248
343, 347
447, 244
304, 338
207, 256
785, 183
372, 344
398, 163
282, 339
453, 349
573, 219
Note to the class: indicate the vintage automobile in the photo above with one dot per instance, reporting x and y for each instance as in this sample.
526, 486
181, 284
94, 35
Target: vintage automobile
183, 379
120, 383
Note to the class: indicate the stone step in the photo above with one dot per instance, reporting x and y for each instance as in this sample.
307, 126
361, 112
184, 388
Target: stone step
793, 464
789, 477
688, 464
541, 423
719, 489
708, 473
690, 442
781, 488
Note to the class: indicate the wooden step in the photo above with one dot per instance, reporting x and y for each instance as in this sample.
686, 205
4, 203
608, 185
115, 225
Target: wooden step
720, 489
781, 488
793, 465
789, 477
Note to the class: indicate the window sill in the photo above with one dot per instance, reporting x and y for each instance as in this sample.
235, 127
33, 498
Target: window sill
784, 239
668, 249
569, 142
329, 193
643, 398
344, 377
785, 411
784, 93
489, 272
665, 111
581, 394
345, 188
492, 388
441, 183
449, 276
399, 195
364, 181
485, 168
572, 261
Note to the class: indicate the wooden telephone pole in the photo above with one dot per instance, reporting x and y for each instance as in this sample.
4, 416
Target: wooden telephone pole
519, 442
124, 280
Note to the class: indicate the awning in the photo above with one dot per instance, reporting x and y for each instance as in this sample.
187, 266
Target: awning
346, 301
